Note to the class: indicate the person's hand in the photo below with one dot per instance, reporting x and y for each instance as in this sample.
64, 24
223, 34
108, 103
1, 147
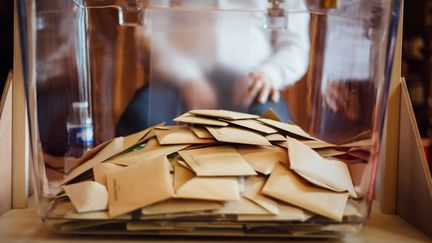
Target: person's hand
343, 100
260, 88
199, 94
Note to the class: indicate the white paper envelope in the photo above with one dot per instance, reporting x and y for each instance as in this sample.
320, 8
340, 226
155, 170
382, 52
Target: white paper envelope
230, 115
217, 161
254, 125
178, 205
290, 128
263, 158
112, 148
179, 135
187, 185
192, 119
139, 185
232, 134
87, 196
286, 186
101, 170
330, 174
144, 154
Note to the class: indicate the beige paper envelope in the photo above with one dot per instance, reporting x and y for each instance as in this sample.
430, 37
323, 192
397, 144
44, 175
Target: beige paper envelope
263, 158
330, 174
286, 186
100, 171
365, 143
290, 128
232, 134
135, 138
277, 137
139, 185
177, 205
318, 144
189, 186
254, 125
179, 135
201, 132
253, 187
269, 114
230, 115
89, 154
192, 119
244, 206
286, 213
328, 152
146, 153
87, 196
217, 161
112, 148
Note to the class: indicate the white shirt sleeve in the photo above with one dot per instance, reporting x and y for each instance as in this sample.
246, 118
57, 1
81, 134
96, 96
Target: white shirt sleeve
290, 59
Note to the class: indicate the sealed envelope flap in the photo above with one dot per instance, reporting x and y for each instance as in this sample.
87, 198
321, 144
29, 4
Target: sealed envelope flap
187, 185
179, 135
262, 158
217, 161
231, 115
290, 128
331, 174
113, 148
286, 186
232, 134
139, 185
101, 170
87, 196
192, 119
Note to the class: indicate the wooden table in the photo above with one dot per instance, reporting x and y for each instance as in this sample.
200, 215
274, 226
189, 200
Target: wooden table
24, 225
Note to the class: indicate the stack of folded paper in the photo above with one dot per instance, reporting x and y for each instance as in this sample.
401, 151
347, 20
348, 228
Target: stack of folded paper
220, 169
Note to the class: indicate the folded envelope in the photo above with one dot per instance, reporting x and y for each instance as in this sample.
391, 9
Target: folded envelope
263, 158
254, 125
112, 148
269, 114
243, 206
179, 135
330, 174
201, 132
87, 196
232, 134
286, 213
144, 154
318, 144
187, 185
290, 128
139, 185
230, 115
101, 170
277, 137
253, 187
217, 161
191, 119
286, 186
177, 205
329, 152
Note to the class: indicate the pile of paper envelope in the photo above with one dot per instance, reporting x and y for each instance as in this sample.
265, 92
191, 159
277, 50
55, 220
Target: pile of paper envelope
219, 164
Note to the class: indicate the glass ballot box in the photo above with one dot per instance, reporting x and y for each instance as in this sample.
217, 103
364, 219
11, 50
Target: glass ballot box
206, 118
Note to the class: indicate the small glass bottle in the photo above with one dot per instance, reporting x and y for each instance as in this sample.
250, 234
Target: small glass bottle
80, 133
